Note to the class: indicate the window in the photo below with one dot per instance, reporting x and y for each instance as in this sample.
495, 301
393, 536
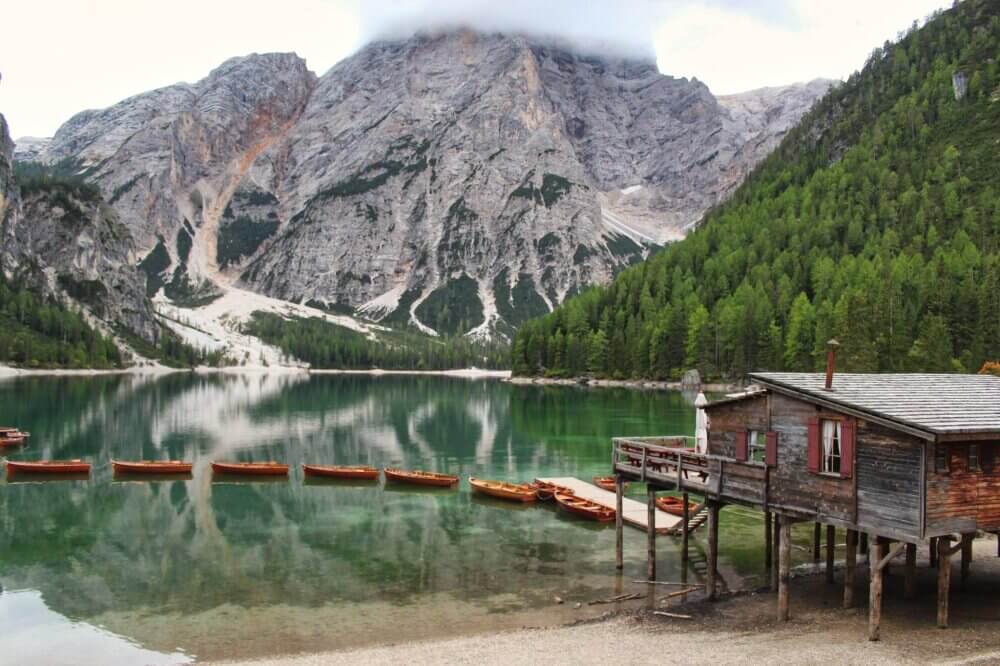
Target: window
758, 444
831, 446
973, 461
942, 465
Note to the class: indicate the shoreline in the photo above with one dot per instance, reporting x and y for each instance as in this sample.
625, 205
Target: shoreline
10, 372
641, 384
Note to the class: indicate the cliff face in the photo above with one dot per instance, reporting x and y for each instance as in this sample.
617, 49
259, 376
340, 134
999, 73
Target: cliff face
456, 182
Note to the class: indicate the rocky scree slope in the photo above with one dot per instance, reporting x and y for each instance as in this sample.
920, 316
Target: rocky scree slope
457, 182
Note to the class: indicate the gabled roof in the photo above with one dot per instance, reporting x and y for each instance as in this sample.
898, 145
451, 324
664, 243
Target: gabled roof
935, 404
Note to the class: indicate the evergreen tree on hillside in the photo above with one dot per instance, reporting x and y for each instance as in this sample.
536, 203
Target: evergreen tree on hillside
877, 220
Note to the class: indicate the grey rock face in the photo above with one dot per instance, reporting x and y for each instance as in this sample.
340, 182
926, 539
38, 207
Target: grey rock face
456, 182
31, 148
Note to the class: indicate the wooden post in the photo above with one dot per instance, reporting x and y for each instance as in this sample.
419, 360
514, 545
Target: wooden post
850, 567
944, 580
933, 552
817, 531
650, 532
863, 544
966, 556
684, 533
784, 567
619, 523
777, 546
910, 573
768, 541
713, 549
831, 536
875, 590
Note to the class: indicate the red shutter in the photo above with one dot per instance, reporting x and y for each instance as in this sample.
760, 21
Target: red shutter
814, 445
848, 430
771, 450
741, 445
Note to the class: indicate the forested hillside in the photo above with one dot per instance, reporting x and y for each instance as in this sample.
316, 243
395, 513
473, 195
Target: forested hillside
877, 221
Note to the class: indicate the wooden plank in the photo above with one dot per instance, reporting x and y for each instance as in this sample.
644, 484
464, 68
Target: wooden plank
619, 523
784, 568
633, 512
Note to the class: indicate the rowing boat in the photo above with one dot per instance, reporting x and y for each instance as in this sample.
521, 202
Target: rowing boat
585, 508
546, 491
420, 478
151, 467
518, 492
75, 466
607, 483
13, 437
358, 473
675, 506
262, 468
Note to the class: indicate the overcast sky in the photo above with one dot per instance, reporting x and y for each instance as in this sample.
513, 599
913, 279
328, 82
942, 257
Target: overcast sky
58, 57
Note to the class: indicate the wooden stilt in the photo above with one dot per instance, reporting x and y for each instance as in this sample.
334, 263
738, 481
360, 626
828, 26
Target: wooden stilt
944, 580
619, 523
768, 543
875, 591
933, 551
651, 533
776, 539
784, 567
850, 567
831, 542
711, 582
966, 556
817, 532
684, 533
863, 544
998, 544
910, 572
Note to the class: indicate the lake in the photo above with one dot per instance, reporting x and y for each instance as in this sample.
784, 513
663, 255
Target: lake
106, 571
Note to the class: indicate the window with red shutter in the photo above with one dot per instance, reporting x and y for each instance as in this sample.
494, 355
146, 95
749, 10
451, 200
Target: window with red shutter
848, 435
741, 445
814, 445
771, 450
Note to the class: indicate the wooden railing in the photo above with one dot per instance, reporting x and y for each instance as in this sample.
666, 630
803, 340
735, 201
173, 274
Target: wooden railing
669, 461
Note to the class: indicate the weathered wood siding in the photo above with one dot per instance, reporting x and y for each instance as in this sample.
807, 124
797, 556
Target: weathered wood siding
744, 481
964, 499
888, 479
729, 417
791, 485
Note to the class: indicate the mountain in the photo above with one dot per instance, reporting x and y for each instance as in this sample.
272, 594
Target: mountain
876, 221
453, 182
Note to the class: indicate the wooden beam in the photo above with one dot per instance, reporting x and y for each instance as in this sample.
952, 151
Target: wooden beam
650, 532
777, 546
932, 551
875, 590
850, 567
784, 568
686, 518
944, 580
619, 523
769, 541
966, 556
863, 544
711, 582
831, 544
910, 571
883, 562
817, 531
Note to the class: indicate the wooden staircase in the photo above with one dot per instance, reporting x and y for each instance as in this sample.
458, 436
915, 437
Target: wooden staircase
695, 520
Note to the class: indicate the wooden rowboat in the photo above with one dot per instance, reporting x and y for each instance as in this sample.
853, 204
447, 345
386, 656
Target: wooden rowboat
585, 508
360, 472
607, 483
675, 506
13, 437
151, 467
76, 466
546, 491
261, 469
517, 492
420, 478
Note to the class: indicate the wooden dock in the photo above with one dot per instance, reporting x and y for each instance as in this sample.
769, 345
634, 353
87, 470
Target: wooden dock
633, 512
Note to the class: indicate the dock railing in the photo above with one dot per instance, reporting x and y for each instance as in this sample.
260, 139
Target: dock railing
666, 461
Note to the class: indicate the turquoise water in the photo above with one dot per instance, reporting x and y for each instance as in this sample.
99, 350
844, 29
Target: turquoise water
165, 572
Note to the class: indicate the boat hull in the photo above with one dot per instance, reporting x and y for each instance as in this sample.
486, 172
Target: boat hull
607, 483
585, 508
12, 441
675, 506
514, 492
48, 467
151, 467
339, 472
419, 478
546, 491
251, 469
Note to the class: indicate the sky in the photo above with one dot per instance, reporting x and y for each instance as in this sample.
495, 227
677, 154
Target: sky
58, 57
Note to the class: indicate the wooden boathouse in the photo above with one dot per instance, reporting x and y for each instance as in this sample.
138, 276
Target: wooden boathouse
896, 460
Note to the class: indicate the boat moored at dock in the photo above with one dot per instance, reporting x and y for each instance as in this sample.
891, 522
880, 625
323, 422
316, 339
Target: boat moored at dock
585, 508
516, 492
151, 467
356, 473
12, 436
270, 468
420, 478
75, 466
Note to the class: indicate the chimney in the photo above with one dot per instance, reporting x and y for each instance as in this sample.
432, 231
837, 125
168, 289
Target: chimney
831, 362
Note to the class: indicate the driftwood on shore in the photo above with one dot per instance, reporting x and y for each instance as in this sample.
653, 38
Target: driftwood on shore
614, 600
